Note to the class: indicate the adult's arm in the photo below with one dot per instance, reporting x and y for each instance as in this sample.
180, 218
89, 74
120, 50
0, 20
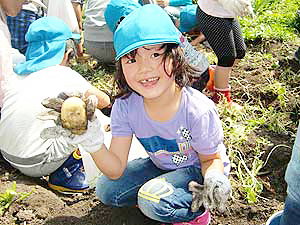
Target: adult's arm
103, 98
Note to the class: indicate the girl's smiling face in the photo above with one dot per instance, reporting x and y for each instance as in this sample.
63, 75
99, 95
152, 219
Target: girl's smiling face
146, 73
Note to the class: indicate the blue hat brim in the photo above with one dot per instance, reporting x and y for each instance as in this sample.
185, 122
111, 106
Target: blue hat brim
40, 56
143, 43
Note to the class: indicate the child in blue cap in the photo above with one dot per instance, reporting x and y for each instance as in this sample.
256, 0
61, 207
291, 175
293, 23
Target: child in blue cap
186, 172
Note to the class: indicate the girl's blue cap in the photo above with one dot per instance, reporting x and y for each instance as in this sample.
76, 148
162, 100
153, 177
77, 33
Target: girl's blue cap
147, 25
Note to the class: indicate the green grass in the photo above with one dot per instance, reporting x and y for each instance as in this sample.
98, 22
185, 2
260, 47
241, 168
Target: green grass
276, 20
239, 132
10, 196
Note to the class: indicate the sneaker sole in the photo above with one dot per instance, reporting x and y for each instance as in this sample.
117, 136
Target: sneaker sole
65, 190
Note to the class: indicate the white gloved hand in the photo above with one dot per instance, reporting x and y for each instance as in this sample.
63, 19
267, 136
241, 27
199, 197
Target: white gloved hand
213, 194
197, 195
91, 140
238, 7
217, 190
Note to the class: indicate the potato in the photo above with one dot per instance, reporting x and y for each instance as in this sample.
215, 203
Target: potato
73, 115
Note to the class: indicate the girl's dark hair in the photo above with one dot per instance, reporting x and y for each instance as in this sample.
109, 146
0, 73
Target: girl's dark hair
182, 71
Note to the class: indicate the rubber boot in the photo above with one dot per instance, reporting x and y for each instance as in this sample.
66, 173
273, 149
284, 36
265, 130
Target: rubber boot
203, 219
226, 92
275, 218
70, 176
218, 94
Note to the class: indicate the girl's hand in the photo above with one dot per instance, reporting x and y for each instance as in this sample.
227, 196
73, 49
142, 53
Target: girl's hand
90, 137
198, 195
213, 194
217, 190
91, 140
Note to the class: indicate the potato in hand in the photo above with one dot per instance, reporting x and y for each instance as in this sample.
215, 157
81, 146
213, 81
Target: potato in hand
74, 115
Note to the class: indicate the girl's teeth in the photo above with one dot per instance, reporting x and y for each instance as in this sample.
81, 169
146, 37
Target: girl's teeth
149, 80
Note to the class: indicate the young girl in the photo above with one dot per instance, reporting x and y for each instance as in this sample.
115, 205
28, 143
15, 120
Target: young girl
178, 126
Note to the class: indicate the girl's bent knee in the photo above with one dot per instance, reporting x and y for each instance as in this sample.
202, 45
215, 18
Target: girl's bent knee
161, 201
104, 191
150, 197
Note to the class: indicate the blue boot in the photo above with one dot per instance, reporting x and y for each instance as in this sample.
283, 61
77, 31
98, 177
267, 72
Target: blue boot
70, 176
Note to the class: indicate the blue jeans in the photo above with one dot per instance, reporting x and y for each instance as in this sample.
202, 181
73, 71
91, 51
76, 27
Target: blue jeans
161, 195
291, 214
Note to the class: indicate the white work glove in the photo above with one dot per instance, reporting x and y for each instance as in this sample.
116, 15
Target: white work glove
92, 138
238, 7
214, 193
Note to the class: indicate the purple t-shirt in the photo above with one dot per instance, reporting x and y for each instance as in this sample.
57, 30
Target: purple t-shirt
195, 128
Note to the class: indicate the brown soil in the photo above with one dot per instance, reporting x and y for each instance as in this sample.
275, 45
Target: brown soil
44, 206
